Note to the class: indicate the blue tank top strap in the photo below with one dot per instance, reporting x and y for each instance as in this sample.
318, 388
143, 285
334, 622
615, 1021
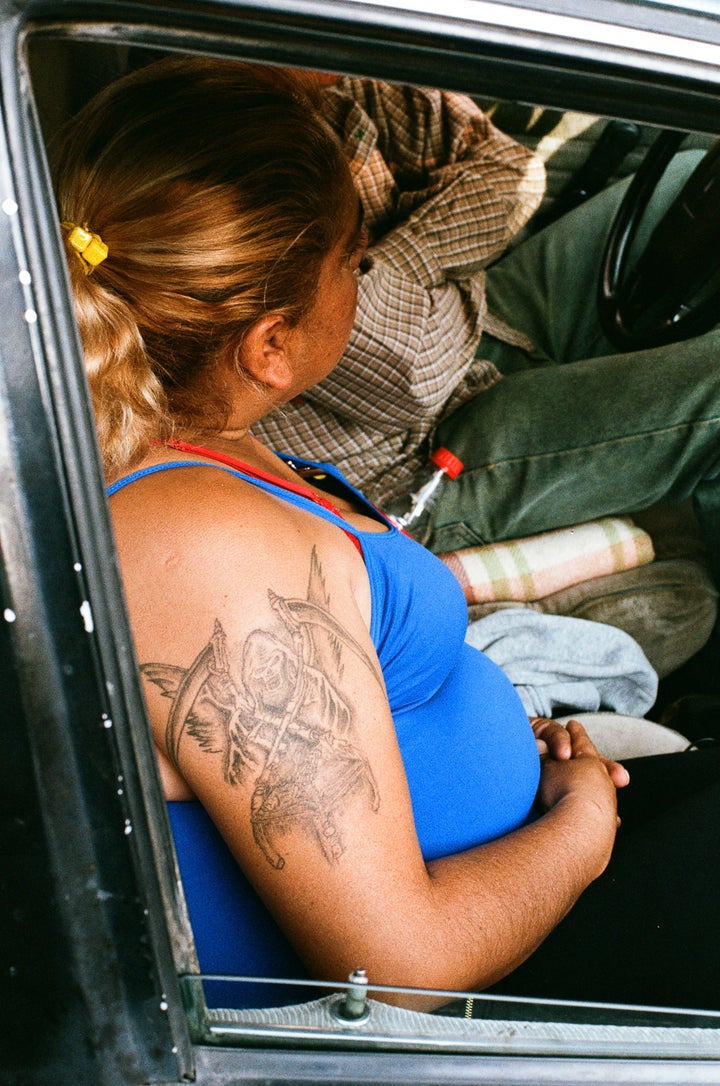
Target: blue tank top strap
308, 502
142, 472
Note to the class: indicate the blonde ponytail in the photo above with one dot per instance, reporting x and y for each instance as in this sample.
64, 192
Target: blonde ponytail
217, 189
129, 401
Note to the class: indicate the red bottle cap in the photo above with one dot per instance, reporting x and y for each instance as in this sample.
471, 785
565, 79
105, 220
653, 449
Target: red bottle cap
443, 458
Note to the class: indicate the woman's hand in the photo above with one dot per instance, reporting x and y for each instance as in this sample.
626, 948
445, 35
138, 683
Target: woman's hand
552, 738
584, 777
554, 741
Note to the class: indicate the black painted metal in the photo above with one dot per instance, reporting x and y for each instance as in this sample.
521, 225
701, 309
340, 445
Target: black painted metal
441, 49
81, 874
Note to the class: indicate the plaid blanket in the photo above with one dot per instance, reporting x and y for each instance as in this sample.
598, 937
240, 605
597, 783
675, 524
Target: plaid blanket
535, 567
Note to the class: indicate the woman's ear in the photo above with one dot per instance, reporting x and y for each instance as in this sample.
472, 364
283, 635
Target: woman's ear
265, 352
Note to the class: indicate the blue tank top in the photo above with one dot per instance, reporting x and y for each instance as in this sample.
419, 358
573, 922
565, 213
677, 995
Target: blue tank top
467, 747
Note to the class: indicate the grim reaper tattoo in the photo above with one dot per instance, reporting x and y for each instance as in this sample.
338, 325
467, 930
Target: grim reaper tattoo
282, 722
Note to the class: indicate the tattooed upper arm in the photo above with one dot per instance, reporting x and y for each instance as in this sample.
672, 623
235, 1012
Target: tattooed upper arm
277, 717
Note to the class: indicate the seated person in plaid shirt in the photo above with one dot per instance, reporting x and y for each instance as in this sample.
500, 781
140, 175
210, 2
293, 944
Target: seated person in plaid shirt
454, 346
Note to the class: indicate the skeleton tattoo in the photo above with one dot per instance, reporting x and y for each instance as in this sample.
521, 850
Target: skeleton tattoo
281, 722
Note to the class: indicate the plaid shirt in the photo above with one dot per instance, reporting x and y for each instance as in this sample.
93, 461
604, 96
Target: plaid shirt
443, 193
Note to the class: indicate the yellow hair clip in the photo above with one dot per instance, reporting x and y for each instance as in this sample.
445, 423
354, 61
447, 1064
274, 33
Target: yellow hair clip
90, 247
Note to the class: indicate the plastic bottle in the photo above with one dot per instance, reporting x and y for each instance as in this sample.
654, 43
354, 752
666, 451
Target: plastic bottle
414, 519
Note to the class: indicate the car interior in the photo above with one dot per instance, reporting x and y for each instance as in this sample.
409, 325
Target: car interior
666, 599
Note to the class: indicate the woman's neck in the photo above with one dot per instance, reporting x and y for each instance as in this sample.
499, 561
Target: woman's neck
241, 445
234, 434
233, 441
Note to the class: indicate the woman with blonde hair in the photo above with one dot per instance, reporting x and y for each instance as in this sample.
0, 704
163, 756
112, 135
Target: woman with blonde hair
349, 783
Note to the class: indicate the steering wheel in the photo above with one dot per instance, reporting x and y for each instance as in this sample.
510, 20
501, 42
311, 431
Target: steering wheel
672, 291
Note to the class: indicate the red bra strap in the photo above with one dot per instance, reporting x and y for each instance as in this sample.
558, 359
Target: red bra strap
267, 477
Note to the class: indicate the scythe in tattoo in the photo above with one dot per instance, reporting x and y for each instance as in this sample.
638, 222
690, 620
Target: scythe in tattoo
285, 723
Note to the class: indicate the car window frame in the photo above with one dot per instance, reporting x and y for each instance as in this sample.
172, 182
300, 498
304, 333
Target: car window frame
49, 432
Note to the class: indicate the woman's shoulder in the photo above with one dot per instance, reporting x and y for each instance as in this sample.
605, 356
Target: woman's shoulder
228, 589
210, 514
197, 539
